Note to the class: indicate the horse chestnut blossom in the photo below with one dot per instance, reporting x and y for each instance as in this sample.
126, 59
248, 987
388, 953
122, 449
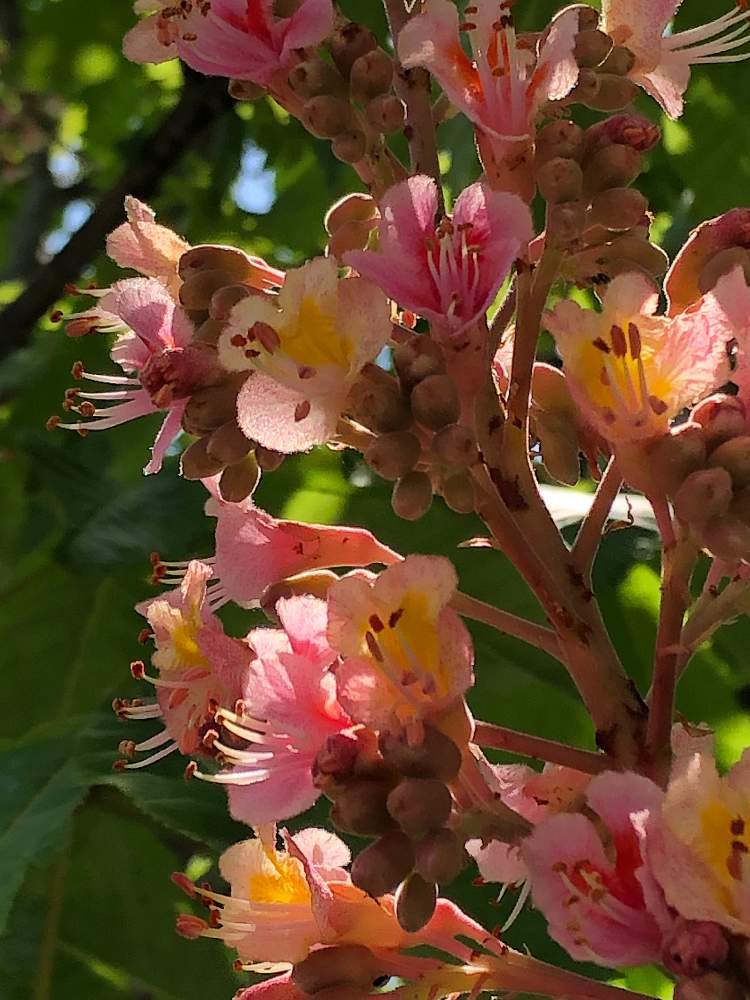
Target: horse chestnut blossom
446, 269
232, 38
663, 58
713, 248
304, 350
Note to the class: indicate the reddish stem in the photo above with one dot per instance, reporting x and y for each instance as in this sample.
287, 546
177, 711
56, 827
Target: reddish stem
487, 734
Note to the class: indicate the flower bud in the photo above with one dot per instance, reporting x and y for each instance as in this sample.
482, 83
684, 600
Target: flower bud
728, 538
619, 62
626, 129
245, 90
412, 496
740, 505
371, 74
560, 448
228, 444
440, 856
695, 946
340, 966
416, 900
326, 116
704, 495
565, 223
558, 139
269, 460
355, 207
381, 866
721, 417
458, 493
612, 93
337, 755
420, 805
722, 263
197, 289
210, 408
196, 463
214, 257
225, 298
618, 208
315, 77
437, 756
380, 406
348, 43
659, 466
349, 146
455, 444
734, 456
560, 179
591, 48
393, 455
360, 807
416, 359
435, 402
614, 166
208, 332
587, 87
386, 113
240, 480
712, 986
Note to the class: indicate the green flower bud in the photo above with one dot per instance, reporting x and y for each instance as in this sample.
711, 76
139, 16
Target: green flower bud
455, 445
416, 359
420, 805
618, 208
437, 756
349, 146
386, 113
348, 43
591, 48
615, 166
382, 866
412, 496
703, 496
612, 93
416, 900
315, 77
435, 402
440, 856
360, 807
326, 116
619, 62
560, 179
393, 455
558, 139
371, 74
379, 405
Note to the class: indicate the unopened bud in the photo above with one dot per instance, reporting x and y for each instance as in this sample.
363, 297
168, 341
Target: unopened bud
435, 402
558, 139
210, 408
619, 62
458, 493
344, 965
393, 455
560, 179
371, 74
440, 856
565, 223
416, 359
197, 290
228, 444
412, 496
214, 257
626, 129
614, 166
659, 466
380, 406
360, 808
239, 481
416, 900
381, 866
587, 87
560, 448
728, 538
721, 417
209, 332
337, 755
740, 505
349, 146
591, 47
626, 251
348, 43
704, 495
437, 756
315, 77
695, 946
420, 805
269, 460
618, 208
455, 445
386, 113
196, 463
712, 986
734, 456
612, 93
245, 90
225, 298
356, 207
722, 263
350, 236
326, 116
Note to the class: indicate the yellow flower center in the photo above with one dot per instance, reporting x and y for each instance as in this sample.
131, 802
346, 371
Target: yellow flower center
311, 337
186, 648
725, 845
282, 880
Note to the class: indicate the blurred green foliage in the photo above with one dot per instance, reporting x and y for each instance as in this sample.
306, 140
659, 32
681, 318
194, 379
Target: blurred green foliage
85, 854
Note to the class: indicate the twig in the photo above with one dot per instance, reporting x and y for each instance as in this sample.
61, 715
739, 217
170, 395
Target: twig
504, 621
202, 99
590, 533
413, 87
487, 734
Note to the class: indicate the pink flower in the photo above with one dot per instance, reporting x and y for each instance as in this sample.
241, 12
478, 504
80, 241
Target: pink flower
255, 551
288, 711
164, 368
305, 349
198, 667
233, 38
630, 371
727, 232
448, 271
599, 898
407, 655
504, 86
146, 246
662, 59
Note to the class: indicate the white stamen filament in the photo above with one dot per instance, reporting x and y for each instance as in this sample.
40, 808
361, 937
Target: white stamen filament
152, 759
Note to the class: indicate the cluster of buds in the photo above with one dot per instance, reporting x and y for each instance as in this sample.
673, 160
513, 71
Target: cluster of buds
398, 792
603, 83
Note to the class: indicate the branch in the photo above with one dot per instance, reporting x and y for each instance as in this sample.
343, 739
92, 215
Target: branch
486, 734
202, 99
504, 621
590, 533
413, 87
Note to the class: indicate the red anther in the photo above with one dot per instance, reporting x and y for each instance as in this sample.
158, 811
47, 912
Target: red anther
52, 422
181, 880
238, 965
478, 881
138, 669
306, 372
375, 623
301, 410
252, 354
408, 318
70, 289
127, 748
239, 707
119, 765
372, 645
87, 408
67, 405
155, 559
144, 635
56, 315
266, 335
214, 917
190, 770
190, 926
209, 738
212, 707
408, 678
77, 370
619, 343
237, 340
189, 36
634, 335
71, 393
395, 617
